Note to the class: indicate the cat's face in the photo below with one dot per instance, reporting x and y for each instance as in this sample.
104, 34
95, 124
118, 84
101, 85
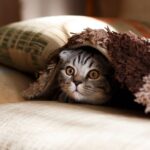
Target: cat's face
82, 77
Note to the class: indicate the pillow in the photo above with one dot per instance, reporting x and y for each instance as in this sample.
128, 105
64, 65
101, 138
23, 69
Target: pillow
28, 45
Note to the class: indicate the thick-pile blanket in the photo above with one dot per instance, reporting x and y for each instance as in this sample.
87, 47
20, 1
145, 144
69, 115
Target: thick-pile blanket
128, 53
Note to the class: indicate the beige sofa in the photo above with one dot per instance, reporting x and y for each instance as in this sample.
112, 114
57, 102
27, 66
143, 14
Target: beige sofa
52, 125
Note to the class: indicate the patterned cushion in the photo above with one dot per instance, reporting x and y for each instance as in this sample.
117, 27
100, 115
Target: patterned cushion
28, 45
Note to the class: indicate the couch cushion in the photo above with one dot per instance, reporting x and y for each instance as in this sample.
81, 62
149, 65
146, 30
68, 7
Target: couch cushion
52, 126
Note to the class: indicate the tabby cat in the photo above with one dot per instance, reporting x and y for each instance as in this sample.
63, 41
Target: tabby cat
84, 77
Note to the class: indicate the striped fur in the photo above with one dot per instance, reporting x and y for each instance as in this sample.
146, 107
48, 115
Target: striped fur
78, 87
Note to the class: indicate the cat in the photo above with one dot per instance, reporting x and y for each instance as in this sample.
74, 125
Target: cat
84, 77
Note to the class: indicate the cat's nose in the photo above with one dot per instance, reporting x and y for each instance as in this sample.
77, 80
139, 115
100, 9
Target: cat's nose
77, 82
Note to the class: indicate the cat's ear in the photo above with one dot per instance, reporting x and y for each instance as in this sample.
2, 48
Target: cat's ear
65, 55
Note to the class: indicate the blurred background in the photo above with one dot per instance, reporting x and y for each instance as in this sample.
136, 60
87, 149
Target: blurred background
16, 10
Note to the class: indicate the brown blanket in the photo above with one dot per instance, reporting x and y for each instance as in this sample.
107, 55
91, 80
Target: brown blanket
128, 54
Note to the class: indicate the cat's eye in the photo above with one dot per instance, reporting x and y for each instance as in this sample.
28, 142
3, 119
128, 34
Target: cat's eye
93, 74
70, 71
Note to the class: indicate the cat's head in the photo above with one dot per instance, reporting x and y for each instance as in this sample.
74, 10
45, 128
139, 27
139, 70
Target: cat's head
83, 78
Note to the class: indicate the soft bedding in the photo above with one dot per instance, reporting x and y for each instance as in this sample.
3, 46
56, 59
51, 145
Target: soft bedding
50, 125
53, 125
